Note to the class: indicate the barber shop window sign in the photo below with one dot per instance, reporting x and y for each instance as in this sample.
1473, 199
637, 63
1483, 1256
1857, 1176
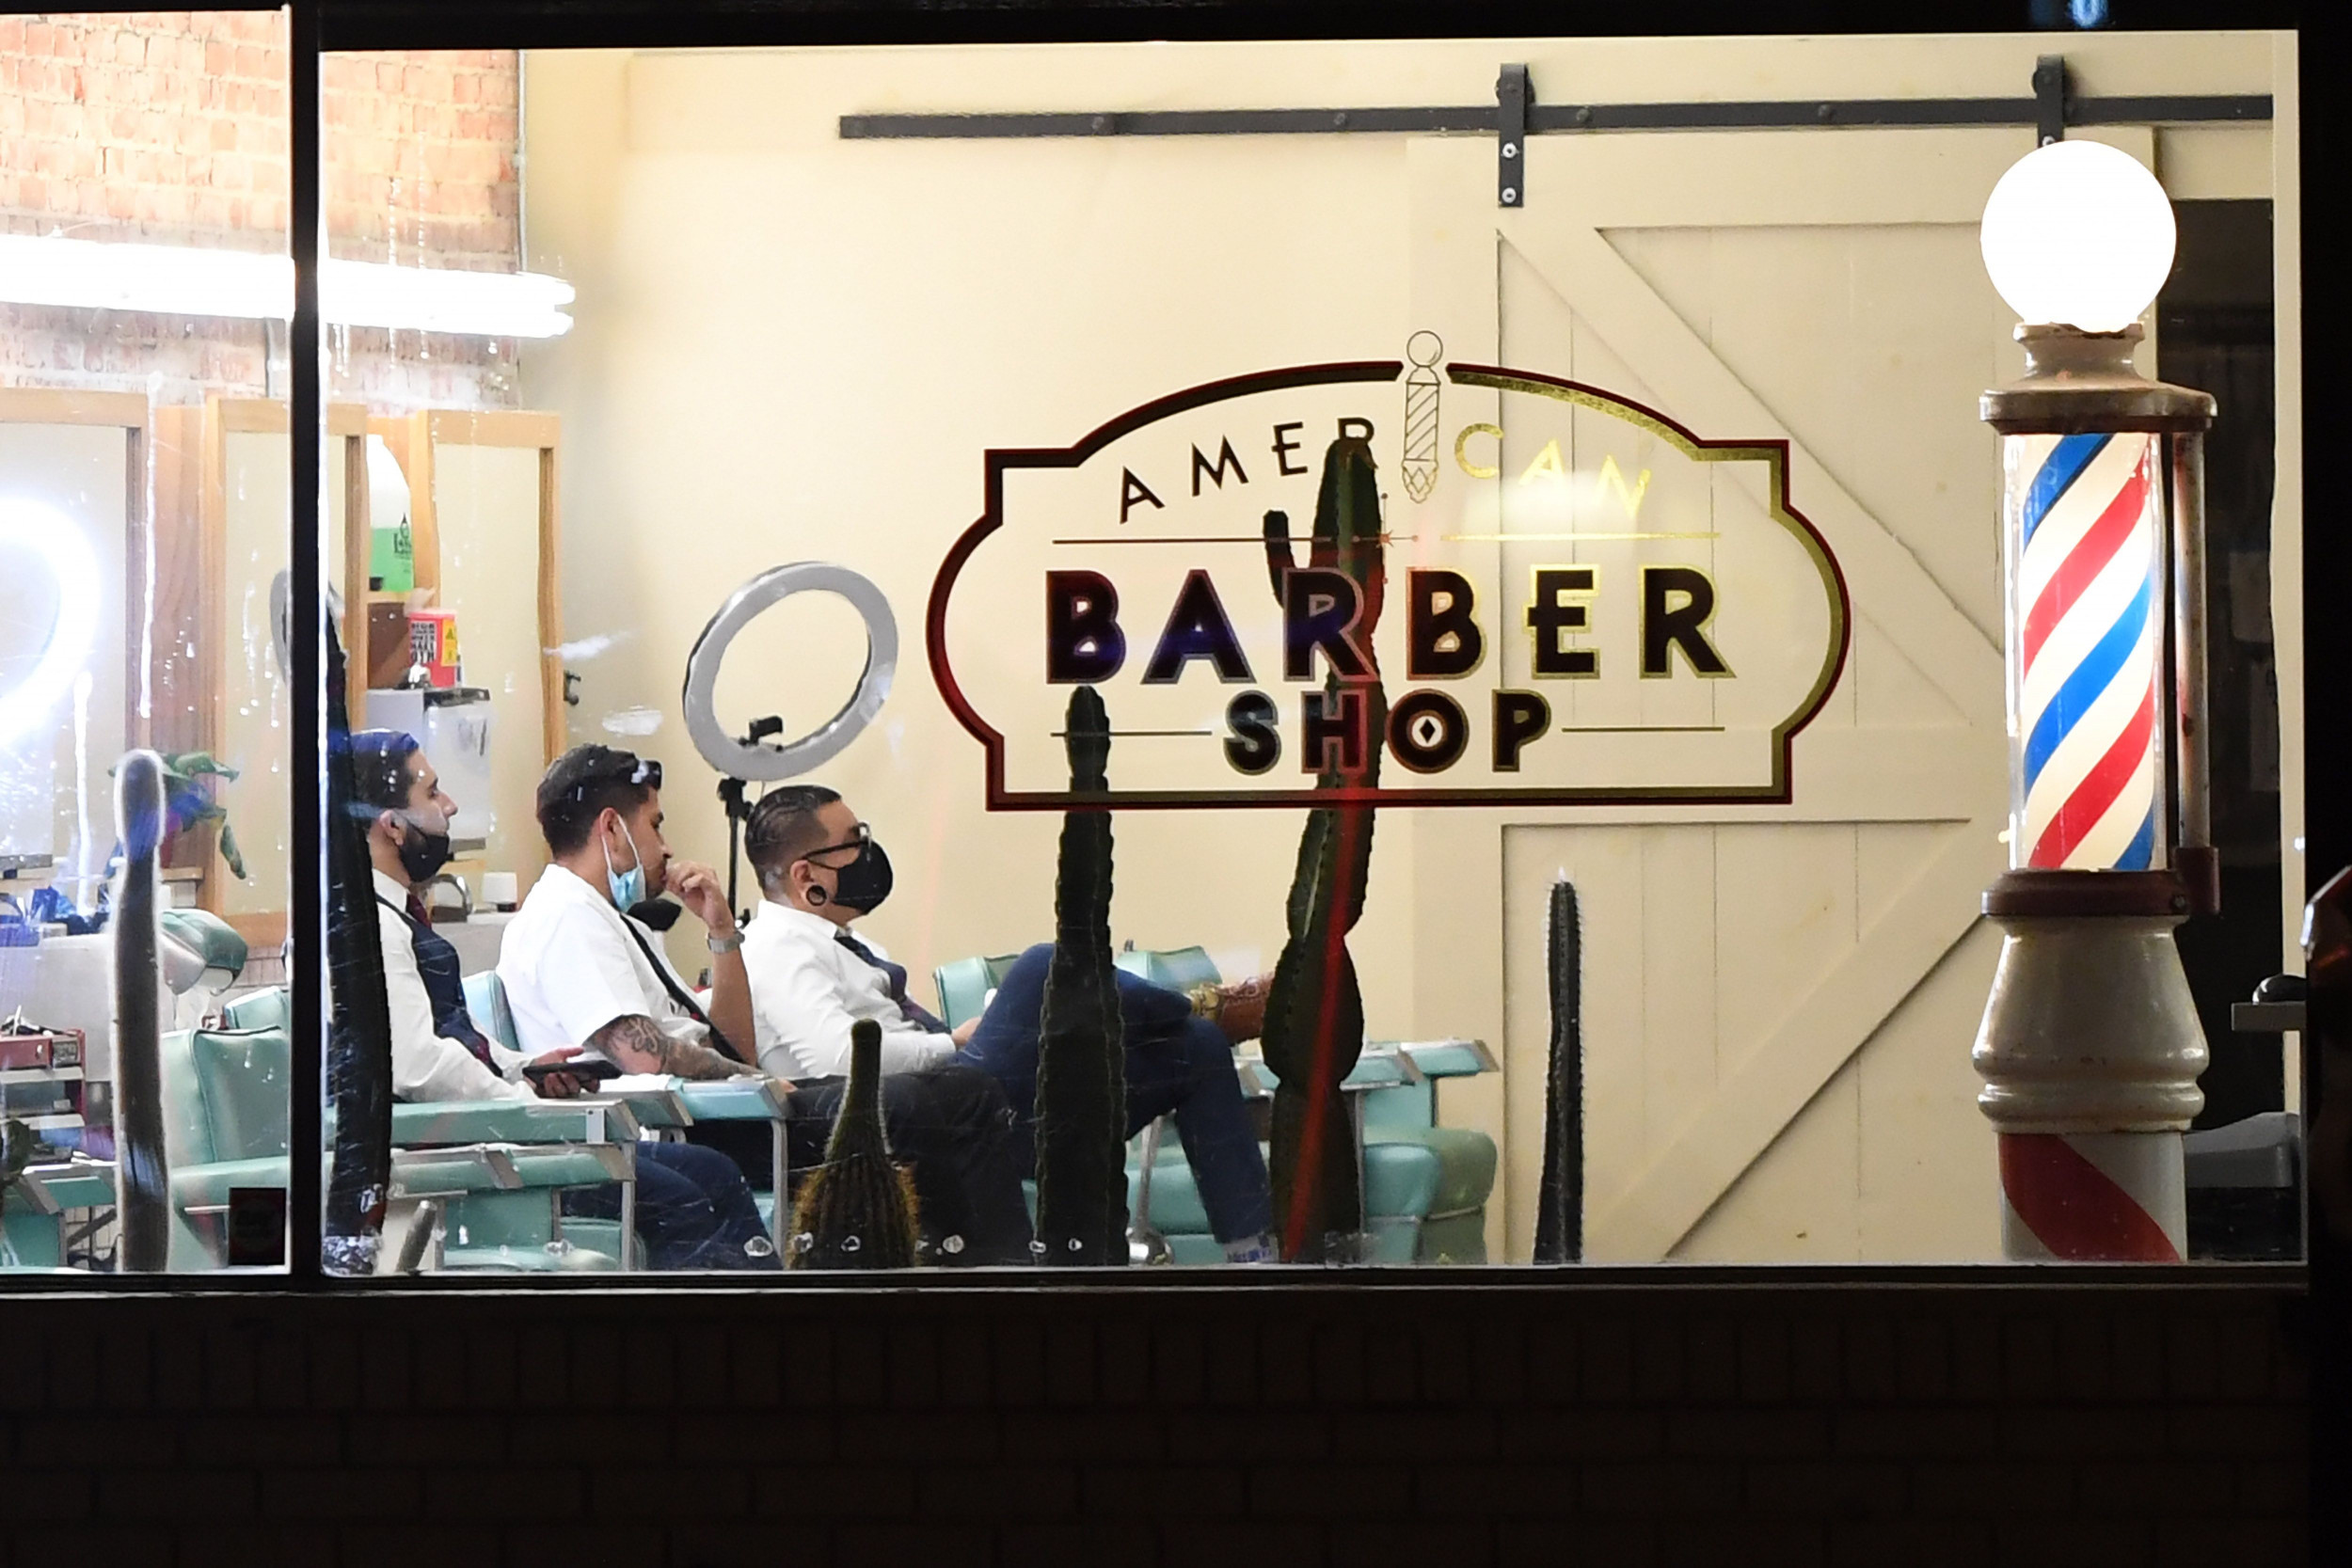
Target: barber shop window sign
1496, 586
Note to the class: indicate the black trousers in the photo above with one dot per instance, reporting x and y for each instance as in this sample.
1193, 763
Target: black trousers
951, 1122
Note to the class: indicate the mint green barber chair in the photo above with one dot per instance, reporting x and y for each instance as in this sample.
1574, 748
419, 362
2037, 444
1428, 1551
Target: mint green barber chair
672, 1103
1425, 1186
224, 1126
34, 1205
267, 1008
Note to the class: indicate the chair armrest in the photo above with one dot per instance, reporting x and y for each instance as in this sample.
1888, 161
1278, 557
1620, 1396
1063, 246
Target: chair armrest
652, 1098
574, 1165
205, 1188
1448, 1058
425, 1123
1378, 1068
71, 1184
733, 1100
450, 1172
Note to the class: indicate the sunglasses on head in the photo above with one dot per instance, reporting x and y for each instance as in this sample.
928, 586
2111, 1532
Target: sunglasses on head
636, 770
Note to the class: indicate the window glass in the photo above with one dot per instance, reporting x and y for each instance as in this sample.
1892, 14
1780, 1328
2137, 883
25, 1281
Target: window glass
1348, 696
144, 833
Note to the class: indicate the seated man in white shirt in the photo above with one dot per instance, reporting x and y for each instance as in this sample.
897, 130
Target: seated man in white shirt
581, 965
812, 974
694, 1208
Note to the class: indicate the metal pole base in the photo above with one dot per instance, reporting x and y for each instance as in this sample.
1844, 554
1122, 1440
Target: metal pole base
2091, 1049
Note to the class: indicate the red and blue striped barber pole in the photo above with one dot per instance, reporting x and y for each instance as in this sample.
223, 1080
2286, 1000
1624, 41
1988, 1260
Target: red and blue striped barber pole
2085, 618
2086, 614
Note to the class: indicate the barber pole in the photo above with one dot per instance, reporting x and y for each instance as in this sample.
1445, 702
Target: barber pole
2090, 616
2092, 1048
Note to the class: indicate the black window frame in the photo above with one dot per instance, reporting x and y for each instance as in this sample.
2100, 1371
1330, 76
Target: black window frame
317, 27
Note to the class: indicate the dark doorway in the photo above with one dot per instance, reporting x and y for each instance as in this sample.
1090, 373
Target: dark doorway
2214, 331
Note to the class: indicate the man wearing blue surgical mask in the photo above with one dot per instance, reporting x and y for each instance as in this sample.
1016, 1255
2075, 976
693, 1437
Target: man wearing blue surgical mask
583, 963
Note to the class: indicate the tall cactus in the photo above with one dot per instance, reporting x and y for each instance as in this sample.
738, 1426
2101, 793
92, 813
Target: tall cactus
1082, 1060
1314, 1022
857, 1210
359, 1026
142, 1174
1559, 1200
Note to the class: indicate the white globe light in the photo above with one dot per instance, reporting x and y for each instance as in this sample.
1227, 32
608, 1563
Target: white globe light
2079, 234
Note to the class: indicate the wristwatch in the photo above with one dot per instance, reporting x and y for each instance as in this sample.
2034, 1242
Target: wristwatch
729, 943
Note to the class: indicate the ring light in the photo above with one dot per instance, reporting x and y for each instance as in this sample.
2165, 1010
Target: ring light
735, 759
59, 545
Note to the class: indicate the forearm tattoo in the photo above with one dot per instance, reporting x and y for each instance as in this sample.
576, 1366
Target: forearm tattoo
635, 1039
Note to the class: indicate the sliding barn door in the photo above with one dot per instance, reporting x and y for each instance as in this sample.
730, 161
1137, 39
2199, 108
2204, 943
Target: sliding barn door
1778, 1002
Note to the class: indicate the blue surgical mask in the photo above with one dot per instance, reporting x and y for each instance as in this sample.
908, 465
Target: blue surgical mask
628, 887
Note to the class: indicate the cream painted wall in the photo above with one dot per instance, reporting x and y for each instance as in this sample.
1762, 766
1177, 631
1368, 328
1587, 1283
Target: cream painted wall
254, 714
486, 512
790, 346
743, 395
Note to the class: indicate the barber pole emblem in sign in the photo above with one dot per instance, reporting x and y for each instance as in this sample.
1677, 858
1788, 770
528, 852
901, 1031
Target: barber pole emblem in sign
2087, 652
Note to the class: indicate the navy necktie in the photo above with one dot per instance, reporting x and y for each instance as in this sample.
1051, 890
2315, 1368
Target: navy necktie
896, 975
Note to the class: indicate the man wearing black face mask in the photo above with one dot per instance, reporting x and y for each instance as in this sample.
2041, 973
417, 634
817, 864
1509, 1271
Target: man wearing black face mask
694, 1209
813, 975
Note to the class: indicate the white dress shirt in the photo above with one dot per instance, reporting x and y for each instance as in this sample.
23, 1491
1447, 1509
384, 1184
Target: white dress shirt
807, 989
570, 967
426, 1064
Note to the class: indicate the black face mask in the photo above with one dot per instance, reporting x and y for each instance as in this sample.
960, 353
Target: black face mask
865, 882
422, 853
656, 914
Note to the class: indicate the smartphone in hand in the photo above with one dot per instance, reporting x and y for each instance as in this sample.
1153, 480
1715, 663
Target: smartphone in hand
587, 1069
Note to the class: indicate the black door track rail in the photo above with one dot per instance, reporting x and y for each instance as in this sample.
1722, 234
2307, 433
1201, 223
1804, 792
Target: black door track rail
1515, 115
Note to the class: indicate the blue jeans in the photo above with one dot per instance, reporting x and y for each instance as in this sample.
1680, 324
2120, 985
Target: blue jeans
1177, 1064
693, 1209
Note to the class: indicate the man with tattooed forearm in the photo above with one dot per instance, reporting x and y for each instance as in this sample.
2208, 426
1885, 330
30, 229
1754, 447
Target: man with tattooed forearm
582, 964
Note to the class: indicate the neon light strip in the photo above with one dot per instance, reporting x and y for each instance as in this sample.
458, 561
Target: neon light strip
181, 280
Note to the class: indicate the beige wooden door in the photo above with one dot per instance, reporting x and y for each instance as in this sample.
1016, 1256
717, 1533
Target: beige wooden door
1778, 1001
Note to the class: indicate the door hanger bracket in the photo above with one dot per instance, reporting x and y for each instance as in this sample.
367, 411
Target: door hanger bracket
1514, 96
2051, 93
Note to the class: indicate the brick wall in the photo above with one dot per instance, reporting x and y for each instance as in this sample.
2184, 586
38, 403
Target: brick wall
1655, 1423
172, 127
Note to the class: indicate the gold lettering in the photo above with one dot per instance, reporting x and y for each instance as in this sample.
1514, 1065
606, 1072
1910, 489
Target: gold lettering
1461, 449
1613, 478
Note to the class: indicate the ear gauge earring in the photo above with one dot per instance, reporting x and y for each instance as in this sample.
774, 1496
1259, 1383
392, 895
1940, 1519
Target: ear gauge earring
816, 895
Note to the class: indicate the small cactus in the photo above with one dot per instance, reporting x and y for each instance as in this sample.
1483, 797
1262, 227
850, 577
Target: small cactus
1081, 1062
856, 1210
1314, 1023
1560, 1201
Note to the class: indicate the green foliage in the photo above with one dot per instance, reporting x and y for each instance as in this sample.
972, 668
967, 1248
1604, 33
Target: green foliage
856, 1210
188, 800
1314, 1023
1082, 1061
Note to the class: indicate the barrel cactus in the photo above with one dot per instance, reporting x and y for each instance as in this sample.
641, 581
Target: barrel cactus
1082, 1063
856, 1210
1314, 1022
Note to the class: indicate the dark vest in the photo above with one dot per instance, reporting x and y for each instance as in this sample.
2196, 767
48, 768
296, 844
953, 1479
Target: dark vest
444, 986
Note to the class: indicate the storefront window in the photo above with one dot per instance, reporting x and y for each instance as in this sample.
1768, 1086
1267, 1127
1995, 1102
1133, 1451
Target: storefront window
931, 671
144, 705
